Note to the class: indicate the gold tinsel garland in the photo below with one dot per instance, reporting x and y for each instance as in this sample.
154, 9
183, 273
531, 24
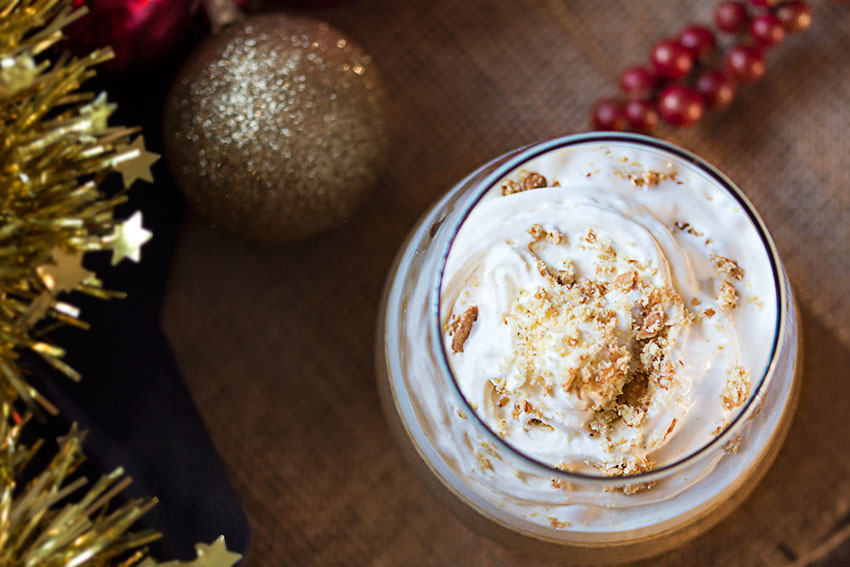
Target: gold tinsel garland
56, 150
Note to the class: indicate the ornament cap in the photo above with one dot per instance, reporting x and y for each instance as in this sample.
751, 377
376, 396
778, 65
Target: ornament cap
222, 13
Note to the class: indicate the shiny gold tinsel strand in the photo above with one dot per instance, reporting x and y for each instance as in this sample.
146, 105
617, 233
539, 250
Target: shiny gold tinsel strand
57, 148
38, 527
55, 151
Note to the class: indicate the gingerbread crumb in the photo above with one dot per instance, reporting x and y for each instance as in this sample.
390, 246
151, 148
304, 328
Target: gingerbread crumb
527, 182
686, 227
536, 231
733, 445
534, 422
737, 388
670, 429
642, 177
510, 187
728, 295
652, 323
727, 267
533, 181
464, 327
557, 524
626, 281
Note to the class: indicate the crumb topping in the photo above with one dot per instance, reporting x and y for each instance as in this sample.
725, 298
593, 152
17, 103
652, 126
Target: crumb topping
728, 295
642, 177
727, 267
737, 388
686, 227
527, 180
557, 524
733, 445
606, 342
462, 326
538, 233
533, 181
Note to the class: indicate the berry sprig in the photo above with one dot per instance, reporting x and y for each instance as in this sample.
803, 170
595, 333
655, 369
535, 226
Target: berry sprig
687, 74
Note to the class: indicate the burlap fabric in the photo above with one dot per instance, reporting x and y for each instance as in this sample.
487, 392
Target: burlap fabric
277, 342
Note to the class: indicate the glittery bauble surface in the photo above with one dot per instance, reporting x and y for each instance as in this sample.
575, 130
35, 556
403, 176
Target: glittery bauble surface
274, 128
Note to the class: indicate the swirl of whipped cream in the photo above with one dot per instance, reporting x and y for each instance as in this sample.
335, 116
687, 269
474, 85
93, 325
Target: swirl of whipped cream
603, 319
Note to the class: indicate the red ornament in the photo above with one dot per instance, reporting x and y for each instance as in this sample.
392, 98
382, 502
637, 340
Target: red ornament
680, 105
745, 64
731, 16
716, 88
637, 82
608, 115
699, 40
312, 3
795, 16
767, 30
641, 116
139, 31
671, 59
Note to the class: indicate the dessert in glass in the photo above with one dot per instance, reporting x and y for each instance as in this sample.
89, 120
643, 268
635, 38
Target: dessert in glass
588, 348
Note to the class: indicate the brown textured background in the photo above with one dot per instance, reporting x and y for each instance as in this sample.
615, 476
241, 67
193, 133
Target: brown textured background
276, 342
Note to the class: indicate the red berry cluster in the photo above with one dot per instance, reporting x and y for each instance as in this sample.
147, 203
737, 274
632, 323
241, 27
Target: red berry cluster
686, 75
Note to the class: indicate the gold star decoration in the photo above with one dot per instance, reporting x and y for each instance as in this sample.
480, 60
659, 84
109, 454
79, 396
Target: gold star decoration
65, 274
128, 238
98, 111
136, 162
214, 555
37, 309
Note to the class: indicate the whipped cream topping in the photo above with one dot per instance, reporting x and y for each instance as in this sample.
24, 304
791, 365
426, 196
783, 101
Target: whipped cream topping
604, 310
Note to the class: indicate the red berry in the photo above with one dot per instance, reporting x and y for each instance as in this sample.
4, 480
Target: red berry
731, 16
795, 16
680, 105
716, 88
767, 30
671, 59
699, 40
641, 116
745, 64
637, 82
608, 115
765, 3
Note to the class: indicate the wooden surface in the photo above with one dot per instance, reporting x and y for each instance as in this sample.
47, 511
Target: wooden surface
276, 342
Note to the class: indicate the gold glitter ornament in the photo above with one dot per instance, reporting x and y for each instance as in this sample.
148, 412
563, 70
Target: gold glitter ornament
274, 128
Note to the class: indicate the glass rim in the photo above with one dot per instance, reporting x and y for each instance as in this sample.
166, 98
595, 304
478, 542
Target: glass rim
528, 153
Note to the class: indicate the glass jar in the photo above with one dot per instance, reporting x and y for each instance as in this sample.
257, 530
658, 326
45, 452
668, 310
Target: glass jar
517, 500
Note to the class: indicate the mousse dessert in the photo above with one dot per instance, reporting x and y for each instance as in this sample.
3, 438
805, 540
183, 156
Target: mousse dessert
588, 348
606, 311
